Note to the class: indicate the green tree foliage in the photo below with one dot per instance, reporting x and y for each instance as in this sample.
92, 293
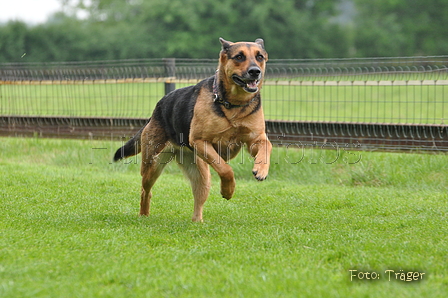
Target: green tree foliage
401, 27
13, 39
116, 29
125, 29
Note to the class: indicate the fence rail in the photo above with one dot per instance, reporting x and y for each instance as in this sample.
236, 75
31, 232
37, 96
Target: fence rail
302, 98
361, 69
346, 136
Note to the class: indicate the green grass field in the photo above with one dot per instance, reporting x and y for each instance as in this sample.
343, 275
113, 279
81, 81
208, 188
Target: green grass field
69, 226
384, 104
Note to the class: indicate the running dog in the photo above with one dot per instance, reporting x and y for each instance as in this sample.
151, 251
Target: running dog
206, 125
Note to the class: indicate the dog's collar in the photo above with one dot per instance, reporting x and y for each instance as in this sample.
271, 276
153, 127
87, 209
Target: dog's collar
225, 103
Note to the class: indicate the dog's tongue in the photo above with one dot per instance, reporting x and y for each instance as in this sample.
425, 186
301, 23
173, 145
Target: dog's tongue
252, 84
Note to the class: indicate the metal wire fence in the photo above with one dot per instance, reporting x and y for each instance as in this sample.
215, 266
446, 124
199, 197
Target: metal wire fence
386, 90
393, 90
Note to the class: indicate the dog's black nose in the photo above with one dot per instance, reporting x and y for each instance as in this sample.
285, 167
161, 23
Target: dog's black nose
254, 72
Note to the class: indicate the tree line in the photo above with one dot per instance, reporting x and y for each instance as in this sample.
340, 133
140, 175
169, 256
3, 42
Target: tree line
292, 29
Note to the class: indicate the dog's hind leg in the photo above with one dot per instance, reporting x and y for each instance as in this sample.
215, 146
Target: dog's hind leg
198, 173
156, 154
149, 177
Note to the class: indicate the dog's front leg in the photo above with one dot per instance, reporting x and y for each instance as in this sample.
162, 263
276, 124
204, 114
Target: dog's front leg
205, 150
261, 149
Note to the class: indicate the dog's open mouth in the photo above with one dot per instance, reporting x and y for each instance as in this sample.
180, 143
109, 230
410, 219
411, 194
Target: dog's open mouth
250, 86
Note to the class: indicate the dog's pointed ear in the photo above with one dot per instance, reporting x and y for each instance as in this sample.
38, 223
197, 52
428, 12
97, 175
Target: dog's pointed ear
260, 42
225, 44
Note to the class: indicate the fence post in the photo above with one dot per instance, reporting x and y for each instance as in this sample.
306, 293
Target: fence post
170, 71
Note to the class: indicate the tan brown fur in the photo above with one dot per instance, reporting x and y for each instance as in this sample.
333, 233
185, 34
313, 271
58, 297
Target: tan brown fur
216, 133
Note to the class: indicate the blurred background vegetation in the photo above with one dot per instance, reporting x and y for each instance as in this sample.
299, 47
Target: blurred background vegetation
126, 29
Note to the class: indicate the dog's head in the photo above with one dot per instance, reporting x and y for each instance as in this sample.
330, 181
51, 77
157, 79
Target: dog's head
243, 63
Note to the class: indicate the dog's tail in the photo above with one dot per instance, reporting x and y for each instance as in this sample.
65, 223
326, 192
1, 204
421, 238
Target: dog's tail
131, 148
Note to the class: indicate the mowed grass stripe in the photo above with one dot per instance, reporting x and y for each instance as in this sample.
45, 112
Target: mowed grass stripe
69, 226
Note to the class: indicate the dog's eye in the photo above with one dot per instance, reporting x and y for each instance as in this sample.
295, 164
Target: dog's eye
260, 57
239, 57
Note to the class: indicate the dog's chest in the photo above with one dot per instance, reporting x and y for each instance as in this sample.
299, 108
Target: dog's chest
232, 134
229, 142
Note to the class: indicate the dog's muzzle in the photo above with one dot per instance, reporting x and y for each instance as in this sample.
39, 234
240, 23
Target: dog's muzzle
250, 80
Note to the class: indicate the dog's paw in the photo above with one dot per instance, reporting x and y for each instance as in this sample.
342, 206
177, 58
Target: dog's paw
260, 174
226, 195
197, 219
227, 189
